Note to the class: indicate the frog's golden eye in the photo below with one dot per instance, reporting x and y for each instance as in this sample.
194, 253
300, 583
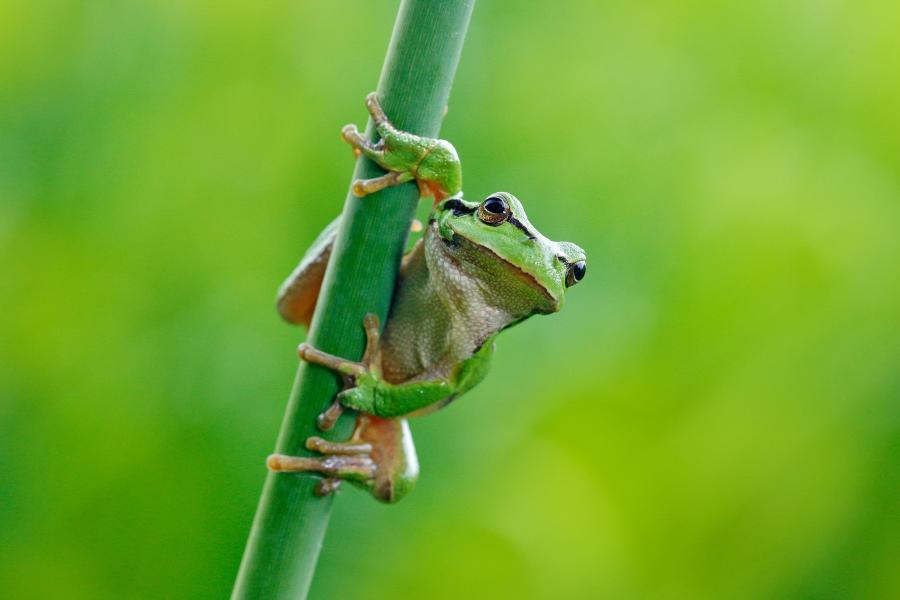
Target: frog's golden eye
575, 273
494, 210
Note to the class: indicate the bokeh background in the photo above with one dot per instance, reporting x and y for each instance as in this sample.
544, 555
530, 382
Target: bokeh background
714, 414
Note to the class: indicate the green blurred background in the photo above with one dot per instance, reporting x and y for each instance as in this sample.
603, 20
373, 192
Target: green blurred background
714, 414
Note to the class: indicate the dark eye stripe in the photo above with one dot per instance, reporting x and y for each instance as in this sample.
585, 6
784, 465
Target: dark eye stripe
519, 225
458, 207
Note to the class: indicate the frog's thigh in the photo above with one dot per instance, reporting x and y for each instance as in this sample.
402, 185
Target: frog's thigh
299, 294
441, 168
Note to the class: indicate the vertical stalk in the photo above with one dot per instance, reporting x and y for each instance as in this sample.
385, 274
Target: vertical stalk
290, 523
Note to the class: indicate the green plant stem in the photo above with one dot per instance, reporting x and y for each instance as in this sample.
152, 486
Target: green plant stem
290, 523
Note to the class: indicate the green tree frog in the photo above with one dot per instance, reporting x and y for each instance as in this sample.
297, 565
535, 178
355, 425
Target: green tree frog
479, 268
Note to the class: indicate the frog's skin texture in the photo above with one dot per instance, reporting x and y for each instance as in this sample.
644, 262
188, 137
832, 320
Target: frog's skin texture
478, 269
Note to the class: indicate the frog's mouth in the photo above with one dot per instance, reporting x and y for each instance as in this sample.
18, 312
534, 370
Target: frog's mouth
550, 303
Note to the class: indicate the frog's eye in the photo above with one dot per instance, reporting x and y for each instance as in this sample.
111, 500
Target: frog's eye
575, 273
494, 210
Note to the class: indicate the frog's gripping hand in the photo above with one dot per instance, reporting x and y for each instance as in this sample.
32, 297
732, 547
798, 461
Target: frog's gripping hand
366, 390
432, 163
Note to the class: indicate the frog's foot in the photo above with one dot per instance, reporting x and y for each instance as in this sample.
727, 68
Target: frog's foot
379, 457
364, 187
348, 369
352, 136
340, 461
326, 420
432, 163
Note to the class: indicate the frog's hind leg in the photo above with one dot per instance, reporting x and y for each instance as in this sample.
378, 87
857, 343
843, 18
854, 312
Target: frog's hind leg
376, 153
385, 128
398, 152
379, 457
379, 117
361, 145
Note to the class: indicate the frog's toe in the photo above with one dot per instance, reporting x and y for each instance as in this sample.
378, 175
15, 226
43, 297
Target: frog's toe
373, 104
349, 465
345, 367
327, 419
364, 187
351, 135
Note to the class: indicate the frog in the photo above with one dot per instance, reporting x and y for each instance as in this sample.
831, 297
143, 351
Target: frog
479, 268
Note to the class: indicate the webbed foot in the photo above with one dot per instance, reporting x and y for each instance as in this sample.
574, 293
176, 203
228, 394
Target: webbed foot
341, 461
379, 457
432, 163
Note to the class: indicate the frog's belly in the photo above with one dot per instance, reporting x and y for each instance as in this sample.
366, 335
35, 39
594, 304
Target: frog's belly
415, 351
407, 367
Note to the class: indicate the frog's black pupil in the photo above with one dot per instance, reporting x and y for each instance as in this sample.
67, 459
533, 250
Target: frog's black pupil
579, 269
495, 206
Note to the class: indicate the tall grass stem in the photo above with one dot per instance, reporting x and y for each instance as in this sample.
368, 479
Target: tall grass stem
289, 528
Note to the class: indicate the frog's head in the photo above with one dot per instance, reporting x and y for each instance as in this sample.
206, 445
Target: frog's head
497, 235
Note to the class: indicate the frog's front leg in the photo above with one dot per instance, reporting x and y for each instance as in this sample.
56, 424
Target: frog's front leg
350, 370
367, 391
380, 457
433, 163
